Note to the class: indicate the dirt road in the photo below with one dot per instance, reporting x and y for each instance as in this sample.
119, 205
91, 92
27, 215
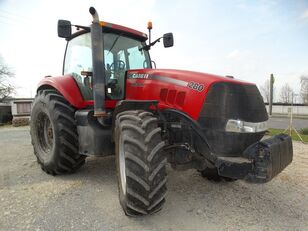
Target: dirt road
88, 200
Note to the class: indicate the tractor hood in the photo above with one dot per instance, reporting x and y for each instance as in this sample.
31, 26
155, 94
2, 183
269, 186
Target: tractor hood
182, 77
182, 90
229, 112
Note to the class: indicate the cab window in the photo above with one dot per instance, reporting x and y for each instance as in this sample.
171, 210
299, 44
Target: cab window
120, 53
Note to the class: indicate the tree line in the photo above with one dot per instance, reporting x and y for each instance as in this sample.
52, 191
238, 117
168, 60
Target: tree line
6, 87
286, 93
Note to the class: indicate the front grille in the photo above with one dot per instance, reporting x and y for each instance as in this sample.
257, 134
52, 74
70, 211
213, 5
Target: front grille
226, 101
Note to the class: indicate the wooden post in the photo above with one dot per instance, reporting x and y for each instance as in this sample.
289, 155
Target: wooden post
272, 80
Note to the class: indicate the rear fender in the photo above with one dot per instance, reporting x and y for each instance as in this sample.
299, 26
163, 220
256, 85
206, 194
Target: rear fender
67, 86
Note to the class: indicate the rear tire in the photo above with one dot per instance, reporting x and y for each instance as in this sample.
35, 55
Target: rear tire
141, 163
54, 134
212, 175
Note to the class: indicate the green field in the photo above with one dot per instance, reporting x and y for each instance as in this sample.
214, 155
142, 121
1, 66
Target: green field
273, 132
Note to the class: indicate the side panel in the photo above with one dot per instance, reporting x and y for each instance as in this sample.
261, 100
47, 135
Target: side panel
67, 86
170, 92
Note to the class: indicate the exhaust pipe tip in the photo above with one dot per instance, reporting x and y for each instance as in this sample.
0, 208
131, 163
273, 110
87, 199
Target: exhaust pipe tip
94, 14
92, 10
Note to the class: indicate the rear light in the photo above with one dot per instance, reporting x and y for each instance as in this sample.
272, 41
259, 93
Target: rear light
240, 126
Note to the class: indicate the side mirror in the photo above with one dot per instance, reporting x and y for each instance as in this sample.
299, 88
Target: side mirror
168, 40
64, 29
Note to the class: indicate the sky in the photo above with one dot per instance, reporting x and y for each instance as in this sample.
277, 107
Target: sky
244, 38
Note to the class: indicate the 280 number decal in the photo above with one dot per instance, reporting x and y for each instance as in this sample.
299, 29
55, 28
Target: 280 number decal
196, 86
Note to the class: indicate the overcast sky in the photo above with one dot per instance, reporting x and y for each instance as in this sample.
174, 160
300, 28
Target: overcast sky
246, 39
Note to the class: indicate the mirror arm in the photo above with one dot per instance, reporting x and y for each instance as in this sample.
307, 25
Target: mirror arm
78, 27
148, 47
153, 43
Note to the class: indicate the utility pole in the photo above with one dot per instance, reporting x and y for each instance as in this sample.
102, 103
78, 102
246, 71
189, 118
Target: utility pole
272, 80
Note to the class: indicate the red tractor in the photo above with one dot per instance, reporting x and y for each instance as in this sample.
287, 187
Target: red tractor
111, 100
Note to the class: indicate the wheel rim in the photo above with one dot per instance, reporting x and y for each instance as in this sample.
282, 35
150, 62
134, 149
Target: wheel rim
122, 165
45, 133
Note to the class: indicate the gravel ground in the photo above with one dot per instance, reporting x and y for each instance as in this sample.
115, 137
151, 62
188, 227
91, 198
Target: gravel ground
88, 199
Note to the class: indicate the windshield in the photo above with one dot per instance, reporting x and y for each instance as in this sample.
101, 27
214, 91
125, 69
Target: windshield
121, 54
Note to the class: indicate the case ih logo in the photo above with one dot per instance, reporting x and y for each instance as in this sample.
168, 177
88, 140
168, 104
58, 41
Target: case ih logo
196, 86
192, 85
138, 76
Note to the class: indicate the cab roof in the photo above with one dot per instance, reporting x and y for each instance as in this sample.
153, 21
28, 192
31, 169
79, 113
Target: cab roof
114, 28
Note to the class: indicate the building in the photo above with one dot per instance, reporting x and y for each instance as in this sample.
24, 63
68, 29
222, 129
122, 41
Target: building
21, 111
16, 110
21, 107
5, 113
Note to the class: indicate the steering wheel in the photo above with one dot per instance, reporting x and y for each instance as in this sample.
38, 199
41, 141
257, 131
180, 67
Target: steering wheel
118, 65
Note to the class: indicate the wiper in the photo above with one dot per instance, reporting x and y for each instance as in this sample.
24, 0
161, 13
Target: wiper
113, 44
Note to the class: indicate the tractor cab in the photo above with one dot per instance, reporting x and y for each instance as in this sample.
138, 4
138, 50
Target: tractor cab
121, 53
123, 49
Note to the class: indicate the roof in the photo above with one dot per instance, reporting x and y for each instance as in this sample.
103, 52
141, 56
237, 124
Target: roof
5, 104
123, 28
21, 99
115, 28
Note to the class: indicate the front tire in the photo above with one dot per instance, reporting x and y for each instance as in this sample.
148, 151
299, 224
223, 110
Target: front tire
54, 134
141, 163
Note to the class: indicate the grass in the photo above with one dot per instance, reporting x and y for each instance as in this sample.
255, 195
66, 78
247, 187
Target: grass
294, 136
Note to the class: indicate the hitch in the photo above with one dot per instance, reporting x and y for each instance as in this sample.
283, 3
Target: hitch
261, 161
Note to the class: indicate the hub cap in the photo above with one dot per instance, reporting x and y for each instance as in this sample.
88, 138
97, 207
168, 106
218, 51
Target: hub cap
44, 130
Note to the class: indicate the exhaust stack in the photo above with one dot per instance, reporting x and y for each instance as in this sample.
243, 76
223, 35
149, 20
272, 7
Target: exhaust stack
98, 63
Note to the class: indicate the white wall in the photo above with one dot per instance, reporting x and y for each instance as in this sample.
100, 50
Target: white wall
297, 110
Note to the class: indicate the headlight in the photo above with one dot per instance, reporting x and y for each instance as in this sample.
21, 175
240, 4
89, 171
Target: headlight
245, 127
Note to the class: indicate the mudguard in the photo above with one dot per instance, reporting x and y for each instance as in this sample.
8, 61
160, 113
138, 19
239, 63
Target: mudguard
68, 87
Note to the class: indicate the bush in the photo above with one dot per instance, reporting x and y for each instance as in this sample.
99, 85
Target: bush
304, 131
20, 121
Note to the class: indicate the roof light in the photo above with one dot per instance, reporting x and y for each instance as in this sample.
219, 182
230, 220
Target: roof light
150, 25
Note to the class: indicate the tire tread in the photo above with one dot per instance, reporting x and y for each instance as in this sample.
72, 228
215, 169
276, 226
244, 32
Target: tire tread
66, 159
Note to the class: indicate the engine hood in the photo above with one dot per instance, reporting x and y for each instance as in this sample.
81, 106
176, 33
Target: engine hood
182, 77
185, 91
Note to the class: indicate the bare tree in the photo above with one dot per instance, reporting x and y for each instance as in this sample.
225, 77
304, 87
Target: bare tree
286, 94
265, 91
304, 89
6, 88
